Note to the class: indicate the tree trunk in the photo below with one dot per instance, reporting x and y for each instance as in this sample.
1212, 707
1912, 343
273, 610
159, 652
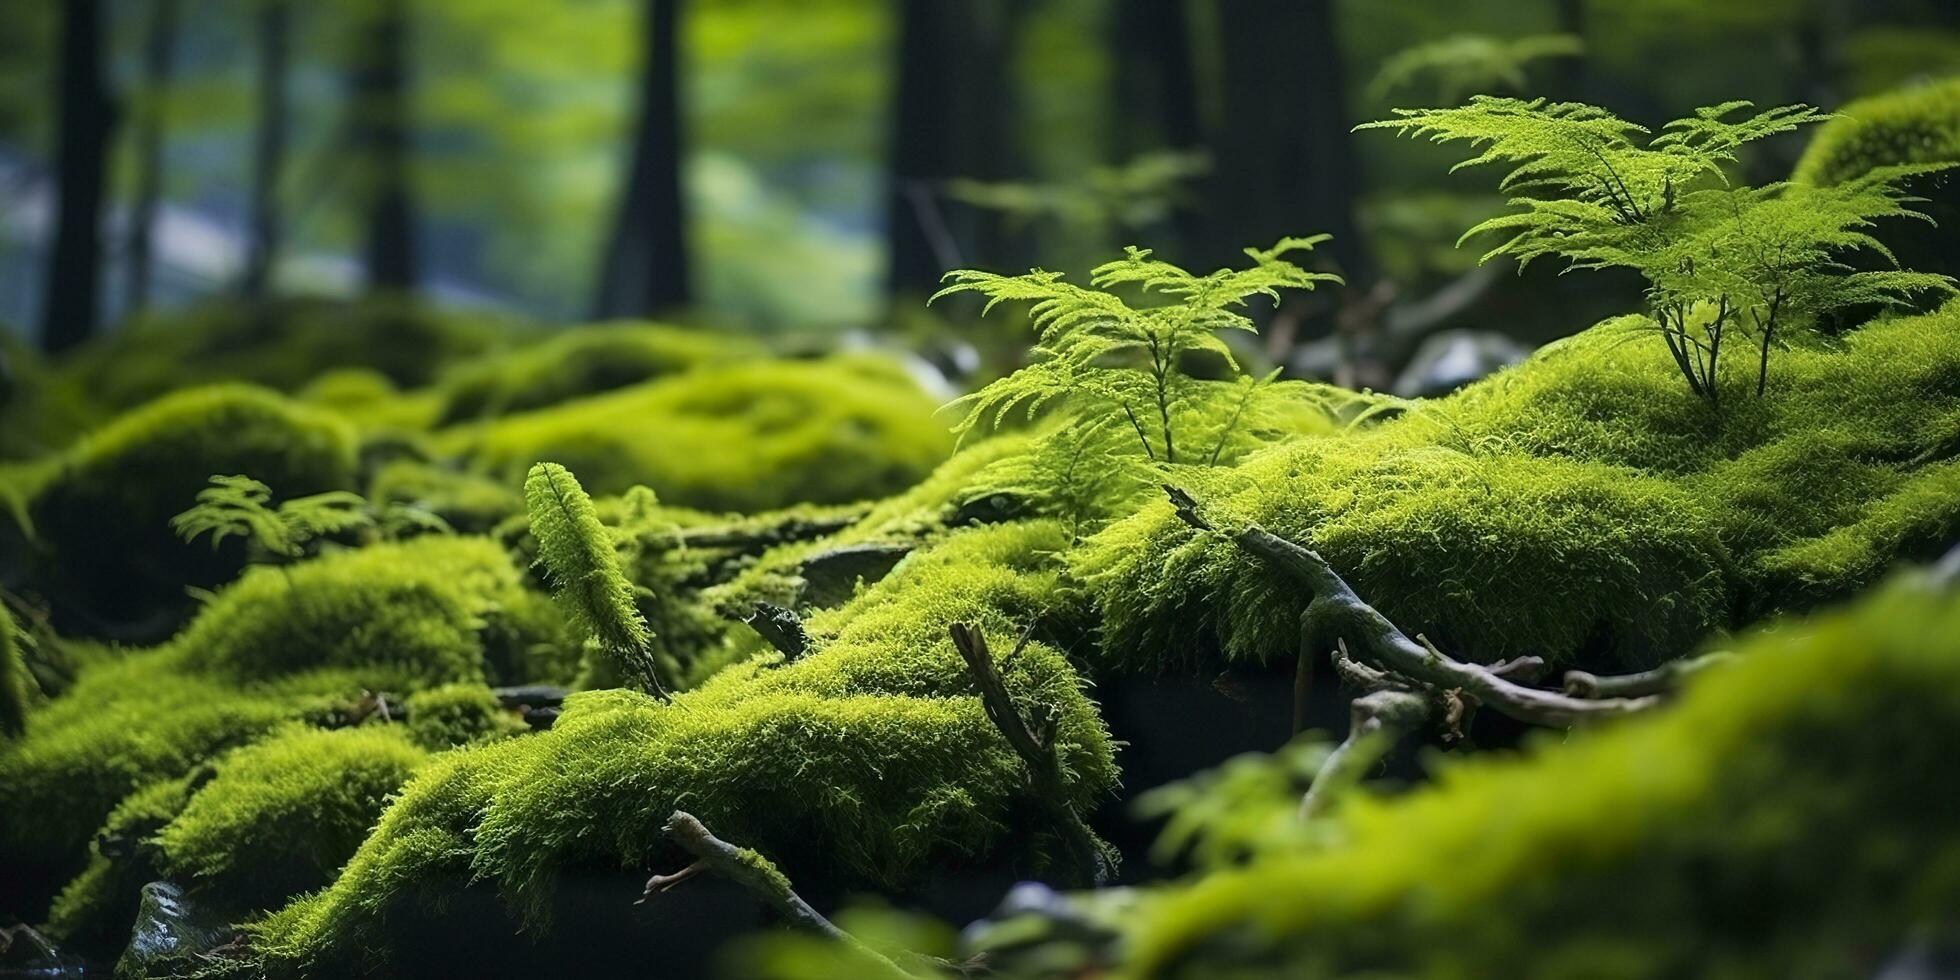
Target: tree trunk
1282, 161
269, 153
159, 47
1572, 75
1156, 93
951, 117
380, 140
69, 308
646, 262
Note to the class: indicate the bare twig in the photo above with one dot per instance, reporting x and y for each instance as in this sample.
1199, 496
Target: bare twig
1660, 680
753, 872
1336, 612
1034, 743
1376, 722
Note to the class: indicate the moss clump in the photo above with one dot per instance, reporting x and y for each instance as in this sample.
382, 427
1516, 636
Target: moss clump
1920, 124
93, 912
277, 646
459, 714
282, 344
466, 501
865, 763
102, 511
13, 679
1778, 821
283, 814
582, 361
745, 437
1579, 506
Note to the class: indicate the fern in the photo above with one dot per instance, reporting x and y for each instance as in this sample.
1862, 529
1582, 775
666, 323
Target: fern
1124, 362
1464, 63
584, 571
1597, 191
239, 506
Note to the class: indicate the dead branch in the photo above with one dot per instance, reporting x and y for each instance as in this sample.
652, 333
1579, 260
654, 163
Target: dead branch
751, 871
1034, 743
1376, 722
1660, 680
782, 627
1336, 612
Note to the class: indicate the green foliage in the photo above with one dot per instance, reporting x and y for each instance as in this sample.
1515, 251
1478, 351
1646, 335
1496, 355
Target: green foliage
14, 680
869, 762
744, 437
578, 362
579, 555
458, 714
95, 909
1579, 506
1916, 125
1599, 192
1461, 64
468, 502
1100, 203
1776, 821
236, 505
103, 512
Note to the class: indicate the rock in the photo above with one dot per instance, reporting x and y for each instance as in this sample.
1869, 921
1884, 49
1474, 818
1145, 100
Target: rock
1453, 358
831, 577
170, 932
26, 953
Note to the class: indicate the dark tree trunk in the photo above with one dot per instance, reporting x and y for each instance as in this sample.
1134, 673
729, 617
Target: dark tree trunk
951, 117
1156, 92
69, 308
1572, 79
380, 137
269, 151
646, 262
1282, 160
159, 48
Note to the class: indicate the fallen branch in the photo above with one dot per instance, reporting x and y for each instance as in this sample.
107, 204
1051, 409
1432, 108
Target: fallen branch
1336, 612
1376, 722
1034, 743
753, 872
782, 627
1660, 680
753, 538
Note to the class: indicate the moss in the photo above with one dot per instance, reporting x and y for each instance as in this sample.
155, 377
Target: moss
370, 400
459, 714
103, 512
94, 910
1912, 125
283, 814
276, 646
468, 502
1779, 820
745, 437
43, 409
582, 361
14, 679
282, 344
867, 762
1582, 505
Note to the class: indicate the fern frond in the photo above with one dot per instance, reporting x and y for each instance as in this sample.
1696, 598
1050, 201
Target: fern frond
583, 569
235, 506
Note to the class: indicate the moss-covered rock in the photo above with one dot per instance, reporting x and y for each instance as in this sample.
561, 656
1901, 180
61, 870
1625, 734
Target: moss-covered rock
582, 361
281, 344
468, 502
1786, 818
867, 762
302, 644
743, 437
101, 511
1581, 505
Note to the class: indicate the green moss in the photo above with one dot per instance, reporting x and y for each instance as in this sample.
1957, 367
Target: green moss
283, 814
1579, 506
370, 400
1780, 820
745, 437
103, 512
94, 911
282, 344
868, 762
43, 409
276, 646
1920, 124
582, 361
459, 714
467, 501
14, 680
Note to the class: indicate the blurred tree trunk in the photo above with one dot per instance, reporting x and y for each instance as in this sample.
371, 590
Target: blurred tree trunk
1572, 73
380, 135
951, 117
1282, 161
646, 261
269, 151
69, 307
159, 47
1156, 91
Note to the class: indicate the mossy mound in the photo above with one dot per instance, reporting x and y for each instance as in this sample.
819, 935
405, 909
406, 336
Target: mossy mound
43, 410
281, 344
13, 679
468, 502
101, 510
744, 437
1583, 505
582, 361
301, 644
1920, 124
868, 762
1783, 819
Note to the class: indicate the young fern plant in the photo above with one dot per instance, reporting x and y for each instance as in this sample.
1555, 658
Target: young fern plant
583, 569
239, 506
1597, 191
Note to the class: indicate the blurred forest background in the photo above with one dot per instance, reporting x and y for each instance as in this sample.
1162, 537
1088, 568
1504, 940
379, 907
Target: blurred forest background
810, 167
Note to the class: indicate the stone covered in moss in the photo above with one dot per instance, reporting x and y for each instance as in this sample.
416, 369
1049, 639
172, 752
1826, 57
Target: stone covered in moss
869, 762
1582, 505
1787, 817
744, 437
301, 644
101, 510
582, 361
